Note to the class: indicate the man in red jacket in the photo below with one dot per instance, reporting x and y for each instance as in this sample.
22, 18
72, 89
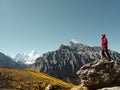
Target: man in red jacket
104, 45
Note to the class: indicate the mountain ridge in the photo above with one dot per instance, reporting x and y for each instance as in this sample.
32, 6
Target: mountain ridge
68, 59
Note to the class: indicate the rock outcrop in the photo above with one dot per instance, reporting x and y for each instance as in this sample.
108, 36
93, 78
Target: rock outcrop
100, 73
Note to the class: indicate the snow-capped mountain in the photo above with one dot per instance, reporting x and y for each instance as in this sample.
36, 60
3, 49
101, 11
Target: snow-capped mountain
27, 58
64, 62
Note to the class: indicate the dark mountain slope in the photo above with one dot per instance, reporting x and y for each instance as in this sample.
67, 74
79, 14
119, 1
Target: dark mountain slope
8, 62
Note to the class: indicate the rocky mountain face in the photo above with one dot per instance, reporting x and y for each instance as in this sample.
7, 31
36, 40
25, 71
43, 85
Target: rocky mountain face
100, 73
27, 58
6, 61
67, 60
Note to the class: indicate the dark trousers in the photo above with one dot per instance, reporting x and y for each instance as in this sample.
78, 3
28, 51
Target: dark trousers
105, 53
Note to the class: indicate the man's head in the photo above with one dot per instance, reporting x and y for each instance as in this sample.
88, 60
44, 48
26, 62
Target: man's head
103, 35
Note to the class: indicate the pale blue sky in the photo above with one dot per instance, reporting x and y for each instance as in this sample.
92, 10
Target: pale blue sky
44, 25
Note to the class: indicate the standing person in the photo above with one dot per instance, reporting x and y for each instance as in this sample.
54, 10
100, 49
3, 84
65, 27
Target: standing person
104, 45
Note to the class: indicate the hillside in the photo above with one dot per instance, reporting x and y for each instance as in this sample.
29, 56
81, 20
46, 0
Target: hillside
24, 79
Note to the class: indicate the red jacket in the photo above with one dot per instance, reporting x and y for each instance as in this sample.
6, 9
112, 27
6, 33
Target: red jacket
104, 42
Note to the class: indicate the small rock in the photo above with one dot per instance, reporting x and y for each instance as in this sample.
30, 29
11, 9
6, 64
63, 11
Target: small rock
49, 86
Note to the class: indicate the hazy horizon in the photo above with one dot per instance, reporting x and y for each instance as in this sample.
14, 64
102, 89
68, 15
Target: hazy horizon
43, 25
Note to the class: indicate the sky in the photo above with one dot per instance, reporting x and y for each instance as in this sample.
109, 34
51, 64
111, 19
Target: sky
43, 25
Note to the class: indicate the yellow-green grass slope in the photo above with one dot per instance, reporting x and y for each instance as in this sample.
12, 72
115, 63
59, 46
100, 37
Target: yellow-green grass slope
25, 79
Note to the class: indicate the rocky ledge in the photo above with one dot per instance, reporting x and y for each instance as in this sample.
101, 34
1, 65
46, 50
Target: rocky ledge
100, 73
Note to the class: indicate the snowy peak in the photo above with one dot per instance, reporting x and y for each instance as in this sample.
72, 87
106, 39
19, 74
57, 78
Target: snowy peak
73, 41
77, 45
27, 58
33, 54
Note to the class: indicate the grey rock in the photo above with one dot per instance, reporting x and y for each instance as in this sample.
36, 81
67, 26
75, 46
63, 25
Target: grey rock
100, 73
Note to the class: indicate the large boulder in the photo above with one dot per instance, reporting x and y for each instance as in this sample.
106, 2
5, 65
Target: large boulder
100, 73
